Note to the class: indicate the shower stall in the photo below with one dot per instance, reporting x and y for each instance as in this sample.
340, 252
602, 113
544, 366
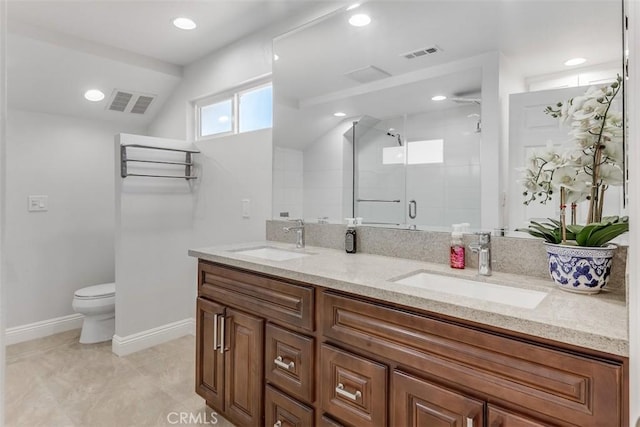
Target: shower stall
419, 169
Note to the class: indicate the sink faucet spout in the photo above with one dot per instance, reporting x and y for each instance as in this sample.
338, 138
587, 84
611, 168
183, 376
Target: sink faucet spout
483, 248
299, 229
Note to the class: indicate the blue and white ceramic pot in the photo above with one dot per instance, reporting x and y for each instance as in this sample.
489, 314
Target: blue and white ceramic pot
579, 269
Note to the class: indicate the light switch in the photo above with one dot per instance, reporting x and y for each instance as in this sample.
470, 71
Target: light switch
38, 203
246, 208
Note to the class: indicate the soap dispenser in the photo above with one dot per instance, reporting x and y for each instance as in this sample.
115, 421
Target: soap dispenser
457, 250
350, 237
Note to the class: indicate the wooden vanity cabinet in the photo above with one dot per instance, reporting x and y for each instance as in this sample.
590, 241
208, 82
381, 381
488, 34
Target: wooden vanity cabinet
374, 364
249, 333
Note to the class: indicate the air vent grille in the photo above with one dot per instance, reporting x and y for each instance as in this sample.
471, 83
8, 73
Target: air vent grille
141, 105
130, 102
120, 101
422, 52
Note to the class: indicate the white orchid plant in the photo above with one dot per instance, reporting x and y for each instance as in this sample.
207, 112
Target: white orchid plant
583, 171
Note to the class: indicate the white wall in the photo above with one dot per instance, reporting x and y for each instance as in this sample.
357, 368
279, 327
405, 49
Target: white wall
324, 175
287, 182
51, 254
154, 223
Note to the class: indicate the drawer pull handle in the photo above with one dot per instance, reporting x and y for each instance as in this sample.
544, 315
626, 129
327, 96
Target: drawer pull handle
288, 366
469, 422
278, 424
222, 335
215, 332
353, 396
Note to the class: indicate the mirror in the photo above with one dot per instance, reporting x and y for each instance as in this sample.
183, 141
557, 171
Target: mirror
395, 156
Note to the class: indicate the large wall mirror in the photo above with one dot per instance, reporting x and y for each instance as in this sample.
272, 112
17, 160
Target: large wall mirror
405, 121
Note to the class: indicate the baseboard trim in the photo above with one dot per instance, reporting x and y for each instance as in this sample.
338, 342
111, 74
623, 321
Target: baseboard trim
151, 337
43, 328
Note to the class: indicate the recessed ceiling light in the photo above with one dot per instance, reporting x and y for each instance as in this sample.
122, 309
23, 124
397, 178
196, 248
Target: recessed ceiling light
184, 23
353, 6
339, 114
94, 95
438, 98
359, 20
275, 57
575, 61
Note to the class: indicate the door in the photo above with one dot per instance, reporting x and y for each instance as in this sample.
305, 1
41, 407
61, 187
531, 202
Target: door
530, 129
209, 359
244, 347
416, 402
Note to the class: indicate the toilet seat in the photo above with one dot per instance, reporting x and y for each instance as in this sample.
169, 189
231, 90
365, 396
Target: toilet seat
104, 290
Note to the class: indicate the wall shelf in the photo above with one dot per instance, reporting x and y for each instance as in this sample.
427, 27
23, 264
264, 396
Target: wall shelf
188, 163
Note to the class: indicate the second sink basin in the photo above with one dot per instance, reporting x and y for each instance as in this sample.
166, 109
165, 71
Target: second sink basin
270, 253
516, 297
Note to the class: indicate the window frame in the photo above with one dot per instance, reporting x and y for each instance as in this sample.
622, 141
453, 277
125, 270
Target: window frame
234, 95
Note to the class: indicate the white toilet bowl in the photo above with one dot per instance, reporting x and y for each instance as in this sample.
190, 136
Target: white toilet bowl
98, 304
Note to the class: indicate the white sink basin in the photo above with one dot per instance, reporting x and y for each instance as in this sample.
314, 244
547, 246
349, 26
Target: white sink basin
516, 297
270, 253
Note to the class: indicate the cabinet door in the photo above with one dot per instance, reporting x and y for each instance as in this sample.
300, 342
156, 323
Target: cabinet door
244, 347
209, 359
499, 417
416, 402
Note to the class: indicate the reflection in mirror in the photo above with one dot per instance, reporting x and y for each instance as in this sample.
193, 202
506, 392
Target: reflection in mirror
382, 77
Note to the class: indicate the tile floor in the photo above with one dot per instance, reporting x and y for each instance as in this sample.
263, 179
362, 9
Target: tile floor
55, 381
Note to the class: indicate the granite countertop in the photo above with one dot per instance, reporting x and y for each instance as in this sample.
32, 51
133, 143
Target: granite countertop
597, 322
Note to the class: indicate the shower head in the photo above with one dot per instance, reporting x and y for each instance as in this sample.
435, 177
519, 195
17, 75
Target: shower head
397, 136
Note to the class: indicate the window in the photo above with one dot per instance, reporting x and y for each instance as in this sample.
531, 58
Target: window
424, 152
416, 153
244, 109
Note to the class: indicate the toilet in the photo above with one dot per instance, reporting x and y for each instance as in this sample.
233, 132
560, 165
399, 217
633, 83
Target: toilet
98, 304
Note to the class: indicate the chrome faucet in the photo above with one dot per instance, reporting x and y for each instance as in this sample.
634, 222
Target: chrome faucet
299, 229
483, 249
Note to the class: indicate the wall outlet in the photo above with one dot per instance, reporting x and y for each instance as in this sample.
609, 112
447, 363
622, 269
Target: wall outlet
246, 208
38, 203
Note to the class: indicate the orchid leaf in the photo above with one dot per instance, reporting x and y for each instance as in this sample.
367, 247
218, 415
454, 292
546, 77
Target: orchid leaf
603, 235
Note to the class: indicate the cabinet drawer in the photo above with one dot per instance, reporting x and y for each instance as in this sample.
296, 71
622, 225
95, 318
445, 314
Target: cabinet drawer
270, 298
289, 362
561, 385
353, 389
283, 411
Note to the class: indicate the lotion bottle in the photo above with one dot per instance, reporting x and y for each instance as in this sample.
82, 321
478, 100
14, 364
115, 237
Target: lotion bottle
350, 237
457, 250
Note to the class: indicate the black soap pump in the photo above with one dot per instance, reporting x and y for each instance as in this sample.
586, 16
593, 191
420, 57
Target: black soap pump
350, 237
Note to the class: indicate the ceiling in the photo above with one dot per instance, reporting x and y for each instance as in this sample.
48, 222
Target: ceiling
57, 49
533, 37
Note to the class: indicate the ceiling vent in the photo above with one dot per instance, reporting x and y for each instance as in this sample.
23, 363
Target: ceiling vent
367, 74
130, 102
422, 52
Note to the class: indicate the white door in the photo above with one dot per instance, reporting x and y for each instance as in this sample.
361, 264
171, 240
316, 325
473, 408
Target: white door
531, 129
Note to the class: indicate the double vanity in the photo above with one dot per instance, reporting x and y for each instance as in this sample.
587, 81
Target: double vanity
315, 336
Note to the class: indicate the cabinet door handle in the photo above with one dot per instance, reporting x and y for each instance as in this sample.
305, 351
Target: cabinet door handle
278, 424
215, 332
353, 396
222, 335
470, 422
288, 366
